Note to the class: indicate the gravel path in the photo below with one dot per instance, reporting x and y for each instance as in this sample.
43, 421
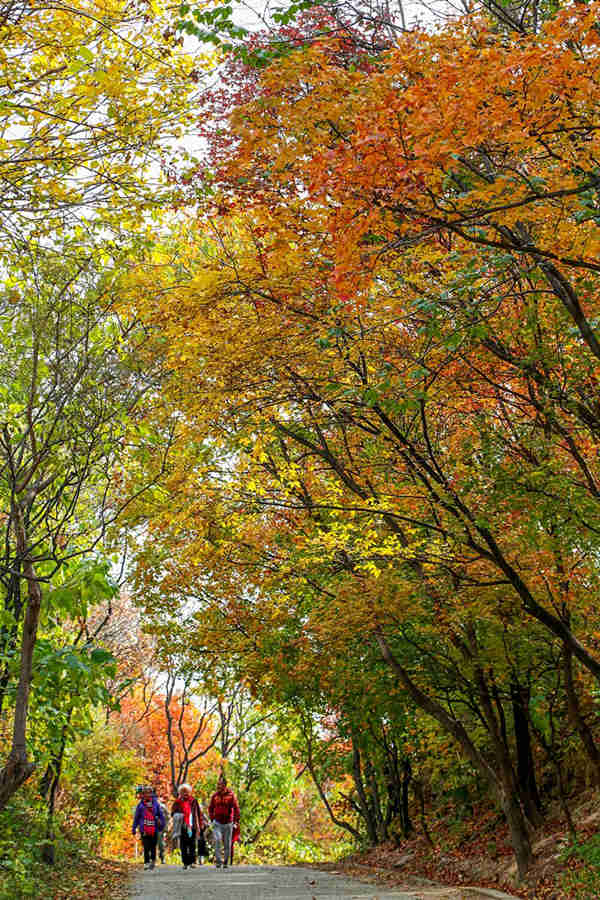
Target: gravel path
272, 883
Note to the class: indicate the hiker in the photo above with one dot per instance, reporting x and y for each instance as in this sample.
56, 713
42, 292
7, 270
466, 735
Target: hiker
176, 823
203, 837
191, 824
148, 818
162, 831
234, 837
224, 813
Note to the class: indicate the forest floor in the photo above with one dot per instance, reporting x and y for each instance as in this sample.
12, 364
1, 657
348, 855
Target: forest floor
476, 851
91, 879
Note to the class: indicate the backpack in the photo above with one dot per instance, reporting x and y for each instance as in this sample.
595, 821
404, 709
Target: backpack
149, 826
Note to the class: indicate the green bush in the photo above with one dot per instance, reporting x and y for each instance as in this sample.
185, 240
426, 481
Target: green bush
22, 829
98, 781
289, 849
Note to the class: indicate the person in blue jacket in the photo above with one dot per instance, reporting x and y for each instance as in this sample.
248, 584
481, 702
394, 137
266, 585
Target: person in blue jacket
149, 819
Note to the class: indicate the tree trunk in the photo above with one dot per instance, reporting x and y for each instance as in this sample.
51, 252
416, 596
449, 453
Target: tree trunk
375, 805
9, 634
18, 767
14, 773
525, 767
577, 718
49, 788
407, 826
393, 789
420, 795
363, 802
519, 833
564, 801
48, 846
507, 785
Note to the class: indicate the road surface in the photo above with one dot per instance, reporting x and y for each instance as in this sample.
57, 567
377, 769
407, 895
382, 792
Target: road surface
277, 883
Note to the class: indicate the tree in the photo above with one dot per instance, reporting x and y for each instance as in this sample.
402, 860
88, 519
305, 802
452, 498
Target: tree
65, 408
83, 137
82, 129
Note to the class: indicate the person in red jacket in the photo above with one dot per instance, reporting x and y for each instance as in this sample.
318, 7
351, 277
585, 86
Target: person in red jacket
191, 825
224, 813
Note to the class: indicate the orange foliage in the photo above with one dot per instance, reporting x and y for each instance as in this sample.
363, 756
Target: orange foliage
142, 724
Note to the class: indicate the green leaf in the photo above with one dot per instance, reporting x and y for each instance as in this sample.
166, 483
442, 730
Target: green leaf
99, 656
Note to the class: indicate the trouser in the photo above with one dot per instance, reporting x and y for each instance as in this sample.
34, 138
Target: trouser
188, 846
161, 845
202, 845
149, 842
222, 835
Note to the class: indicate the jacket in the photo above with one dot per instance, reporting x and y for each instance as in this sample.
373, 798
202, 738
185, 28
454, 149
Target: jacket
138, 817
166, 815
198, 822
177, 820
224, 807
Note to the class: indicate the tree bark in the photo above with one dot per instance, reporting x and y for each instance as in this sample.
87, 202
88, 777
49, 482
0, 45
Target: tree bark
407, 826
9, 634
375, 805
577, 719
525, 766
18, 767
363, 802
519, 834
420, 795
49, 787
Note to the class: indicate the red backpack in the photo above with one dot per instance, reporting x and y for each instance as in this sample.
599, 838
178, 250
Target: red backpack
149, 826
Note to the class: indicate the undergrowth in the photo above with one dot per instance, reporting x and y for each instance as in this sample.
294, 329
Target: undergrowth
77, 871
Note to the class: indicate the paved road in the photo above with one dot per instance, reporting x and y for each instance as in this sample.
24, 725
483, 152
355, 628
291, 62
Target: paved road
270, 883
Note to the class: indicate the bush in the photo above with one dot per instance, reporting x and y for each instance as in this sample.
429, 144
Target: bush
98, 782
286, 849
21, 835
97, 785
23, 873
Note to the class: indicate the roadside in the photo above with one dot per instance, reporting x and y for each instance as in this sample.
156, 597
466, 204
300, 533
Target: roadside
84, 879
423, 888
476, 851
